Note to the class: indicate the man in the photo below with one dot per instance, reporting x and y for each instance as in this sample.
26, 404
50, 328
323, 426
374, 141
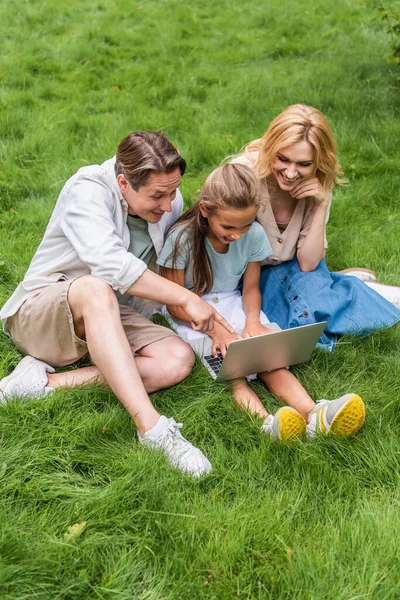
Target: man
106, 229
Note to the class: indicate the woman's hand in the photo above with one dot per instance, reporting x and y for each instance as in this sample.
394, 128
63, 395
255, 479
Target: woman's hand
311, 188
221, 340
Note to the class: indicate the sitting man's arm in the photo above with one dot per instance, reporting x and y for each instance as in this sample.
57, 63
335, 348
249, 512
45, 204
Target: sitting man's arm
89, 225
180, 302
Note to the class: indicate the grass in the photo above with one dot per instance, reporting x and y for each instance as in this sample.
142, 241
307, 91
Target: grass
315, 521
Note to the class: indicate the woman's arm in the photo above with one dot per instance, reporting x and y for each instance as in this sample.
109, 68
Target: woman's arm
312, 250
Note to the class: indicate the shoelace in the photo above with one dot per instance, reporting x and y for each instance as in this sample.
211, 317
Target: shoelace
172, 439
321, 403
312, 426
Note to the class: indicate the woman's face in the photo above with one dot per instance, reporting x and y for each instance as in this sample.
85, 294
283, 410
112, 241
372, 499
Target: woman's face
294, 164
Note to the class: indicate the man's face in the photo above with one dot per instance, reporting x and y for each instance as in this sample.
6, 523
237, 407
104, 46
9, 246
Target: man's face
154, 198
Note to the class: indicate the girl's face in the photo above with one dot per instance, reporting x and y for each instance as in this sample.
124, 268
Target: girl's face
227, 225
294, 164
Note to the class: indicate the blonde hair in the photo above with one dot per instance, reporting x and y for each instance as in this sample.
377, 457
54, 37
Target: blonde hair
295, 124
232, 186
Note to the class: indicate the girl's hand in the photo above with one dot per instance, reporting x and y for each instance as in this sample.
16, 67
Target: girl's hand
254, 328
311, 188
221, 341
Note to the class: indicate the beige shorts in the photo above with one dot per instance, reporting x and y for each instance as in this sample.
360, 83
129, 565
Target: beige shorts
43, 327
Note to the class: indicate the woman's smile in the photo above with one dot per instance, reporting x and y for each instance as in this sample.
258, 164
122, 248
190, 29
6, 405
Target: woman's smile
286, 180
294, 164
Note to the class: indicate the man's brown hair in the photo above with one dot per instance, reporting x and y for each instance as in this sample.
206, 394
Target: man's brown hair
142, 153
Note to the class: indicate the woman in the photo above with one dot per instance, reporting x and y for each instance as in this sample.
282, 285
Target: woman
297, 164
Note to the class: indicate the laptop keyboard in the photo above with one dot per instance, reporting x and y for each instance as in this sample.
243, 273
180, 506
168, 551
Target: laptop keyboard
214, 363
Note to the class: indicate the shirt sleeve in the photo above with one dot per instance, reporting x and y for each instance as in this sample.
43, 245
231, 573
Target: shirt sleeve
87, 222
261, 248
305, 228
248, 159
182, 258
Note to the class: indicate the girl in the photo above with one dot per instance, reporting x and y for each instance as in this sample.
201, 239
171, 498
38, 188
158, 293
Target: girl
297, 167
209, 250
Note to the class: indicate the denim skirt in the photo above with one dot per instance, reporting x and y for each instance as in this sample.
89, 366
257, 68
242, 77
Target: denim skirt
291, 297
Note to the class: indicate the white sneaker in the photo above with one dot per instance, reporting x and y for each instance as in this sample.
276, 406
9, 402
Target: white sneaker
181, 453
342, 417
28, 380
360, 273
286, 425
389, 292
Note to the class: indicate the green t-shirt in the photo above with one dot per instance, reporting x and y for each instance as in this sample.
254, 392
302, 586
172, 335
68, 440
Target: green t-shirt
141, 246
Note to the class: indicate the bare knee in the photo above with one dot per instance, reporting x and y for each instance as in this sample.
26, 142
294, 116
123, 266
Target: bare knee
181, 359
89, 297
88, 294
274, 376
175, 360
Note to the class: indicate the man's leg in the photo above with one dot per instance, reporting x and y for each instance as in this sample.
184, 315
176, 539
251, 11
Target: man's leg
160, 364
65, 321
87, 309
95, 311
164, 363
162, 358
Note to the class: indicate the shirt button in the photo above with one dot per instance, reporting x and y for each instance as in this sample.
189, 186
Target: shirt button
280, 240
305, 314
215, 300
295, 298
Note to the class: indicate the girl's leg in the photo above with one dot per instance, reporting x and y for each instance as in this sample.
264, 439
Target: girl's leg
342, 416
246, 399
284, 384
287, 424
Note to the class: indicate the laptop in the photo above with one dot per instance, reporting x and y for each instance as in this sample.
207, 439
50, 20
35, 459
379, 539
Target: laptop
281, 348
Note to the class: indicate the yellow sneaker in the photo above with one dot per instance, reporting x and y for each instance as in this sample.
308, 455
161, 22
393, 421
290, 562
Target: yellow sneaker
286, 425
342, 417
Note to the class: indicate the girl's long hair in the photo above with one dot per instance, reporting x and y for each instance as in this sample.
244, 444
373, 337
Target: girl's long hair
231, 186
299, 123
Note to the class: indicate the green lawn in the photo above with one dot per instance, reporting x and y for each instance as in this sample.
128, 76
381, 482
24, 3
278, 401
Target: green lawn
316, 521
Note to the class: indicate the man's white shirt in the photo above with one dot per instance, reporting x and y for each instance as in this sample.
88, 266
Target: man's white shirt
87, 234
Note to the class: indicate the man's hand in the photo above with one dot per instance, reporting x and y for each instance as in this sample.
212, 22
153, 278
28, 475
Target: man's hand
203, 316
154, 287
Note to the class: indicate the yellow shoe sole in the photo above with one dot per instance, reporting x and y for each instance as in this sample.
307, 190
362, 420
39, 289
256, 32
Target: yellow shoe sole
349, 419
291, 425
